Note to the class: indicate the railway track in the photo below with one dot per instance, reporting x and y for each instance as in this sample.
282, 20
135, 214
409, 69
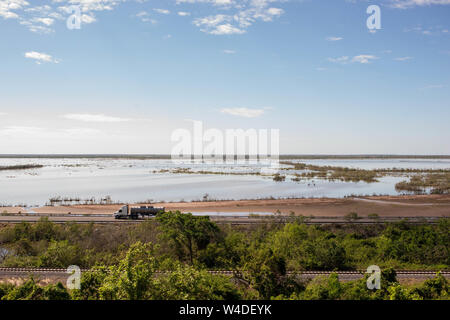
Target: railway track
445, 273
223, 219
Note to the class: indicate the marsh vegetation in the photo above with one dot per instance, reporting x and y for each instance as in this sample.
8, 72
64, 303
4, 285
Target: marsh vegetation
436, 178
437, 181
434, 183
21, 167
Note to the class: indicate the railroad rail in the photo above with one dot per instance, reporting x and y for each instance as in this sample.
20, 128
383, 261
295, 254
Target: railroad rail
222, 219
445, 273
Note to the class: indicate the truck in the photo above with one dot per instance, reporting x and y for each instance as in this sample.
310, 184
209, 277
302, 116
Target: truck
128, 212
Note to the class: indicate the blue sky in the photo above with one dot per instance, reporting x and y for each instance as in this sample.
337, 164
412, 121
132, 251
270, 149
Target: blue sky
137, 70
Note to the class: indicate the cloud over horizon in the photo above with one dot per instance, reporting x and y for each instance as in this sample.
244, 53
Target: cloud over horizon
243, 112
88, 117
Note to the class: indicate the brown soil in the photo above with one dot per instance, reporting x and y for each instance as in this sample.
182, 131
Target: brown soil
396, 206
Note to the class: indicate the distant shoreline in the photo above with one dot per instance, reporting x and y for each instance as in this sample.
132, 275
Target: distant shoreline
168, 157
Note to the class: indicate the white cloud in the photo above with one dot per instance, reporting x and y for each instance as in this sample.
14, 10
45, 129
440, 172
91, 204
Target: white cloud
343, 59
364, 58
218, 25
86, 18
223, 3
427, 30
40, 57
8, 8
403, 58
37, 28
17, 130
46, 21
31, 132
37, 18
56, 15
142, 14
162, 11
334, 38
226, 29
39, 9
241, 16
145, 17
227, 51
212, 20
405, 4
88, 6
243, 112
88, 117
275, 11
41, 18
81, 132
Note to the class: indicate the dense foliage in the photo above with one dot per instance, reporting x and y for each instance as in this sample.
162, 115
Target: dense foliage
169, 259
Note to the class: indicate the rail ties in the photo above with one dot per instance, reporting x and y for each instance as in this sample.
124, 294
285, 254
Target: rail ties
38, 270
231, 272
83, 218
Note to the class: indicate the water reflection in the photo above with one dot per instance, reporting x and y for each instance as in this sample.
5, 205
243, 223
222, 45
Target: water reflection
132, 180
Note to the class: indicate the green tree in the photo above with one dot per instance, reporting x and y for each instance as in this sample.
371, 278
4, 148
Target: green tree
282, 242
187, 233
61, 254
436, 288
265, 272
323, 288
229, 254
90, 284
5, 288
45, 230
133, 278
30, 290
397, 292
324, 254
189, 283
55, 292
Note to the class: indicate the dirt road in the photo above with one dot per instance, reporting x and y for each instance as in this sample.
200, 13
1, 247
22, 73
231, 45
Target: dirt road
384, 206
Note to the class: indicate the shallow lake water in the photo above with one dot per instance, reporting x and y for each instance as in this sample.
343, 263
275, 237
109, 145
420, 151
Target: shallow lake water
132, 180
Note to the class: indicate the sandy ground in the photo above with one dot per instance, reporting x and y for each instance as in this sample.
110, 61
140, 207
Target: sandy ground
395, 206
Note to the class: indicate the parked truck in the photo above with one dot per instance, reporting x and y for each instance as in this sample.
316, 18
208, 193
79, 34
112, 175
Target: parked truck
128, 212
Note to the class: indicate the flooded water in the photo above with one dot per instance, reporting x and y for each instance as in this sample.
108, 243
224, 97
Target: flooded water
132, 180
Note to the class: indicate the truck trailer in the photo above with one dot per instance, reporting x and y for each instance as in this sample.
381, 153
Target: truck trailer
128, 212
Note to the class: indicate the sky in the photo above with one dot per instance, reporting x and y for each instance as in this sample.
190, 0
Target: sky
137, 70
